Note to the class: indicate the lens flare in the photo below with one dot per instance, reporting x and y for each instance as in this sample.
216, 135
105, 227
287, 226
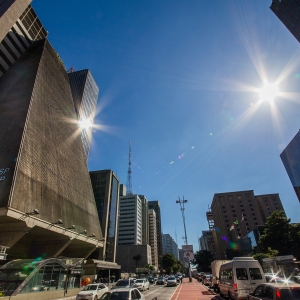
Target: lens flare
268, 92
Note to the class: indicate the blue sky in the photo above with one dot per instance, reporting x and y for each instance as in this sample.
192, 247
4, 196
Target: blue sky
180, 80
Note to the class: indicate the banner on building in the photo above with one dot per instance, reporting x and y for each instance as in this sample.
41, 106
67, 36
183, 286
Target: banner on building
188, 254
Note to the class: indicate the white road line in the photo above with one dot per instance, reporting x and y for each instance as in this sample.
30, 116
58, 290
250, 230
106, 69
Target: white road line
178, 292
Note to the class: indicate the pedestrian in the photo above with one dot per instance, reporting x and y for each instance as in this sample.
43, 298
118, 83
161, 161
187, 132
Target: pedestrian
180, 279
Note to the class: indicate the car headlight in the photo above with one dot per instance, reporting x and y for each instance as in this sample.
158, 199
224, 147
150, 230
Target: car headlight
90, 294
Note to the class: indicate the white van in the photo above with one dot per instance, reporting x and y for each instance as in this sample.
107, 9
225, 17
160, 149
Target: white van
240, 277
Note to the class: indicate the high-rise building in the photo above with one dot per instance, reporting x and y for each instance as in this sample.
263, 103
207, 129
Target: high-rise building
267, 204
207, 242
106, 185
156, 207
19, 28
153, 237
237, 213
130, 220
169, 245
85, 96
290, 157
46, 195
288, 13
145, 220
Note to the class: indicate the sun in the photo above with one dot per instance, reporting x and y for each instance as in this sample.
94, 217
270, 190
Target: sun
85, 124
268, 92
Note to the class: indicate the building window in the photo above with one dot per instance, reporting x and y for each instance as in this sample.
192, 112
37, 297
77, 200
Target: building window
253, 214
256, 223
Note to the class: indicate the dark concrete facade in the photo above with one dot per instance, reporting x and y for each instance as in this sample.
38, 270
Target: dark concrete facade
288, 12
290, 157
44, 163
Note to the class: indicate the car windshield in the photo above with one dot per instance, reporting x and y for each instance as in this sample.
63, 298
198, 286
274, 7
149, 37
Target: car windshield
160, 278
171, 278
115, 296
122, 283
90, 288
139, 281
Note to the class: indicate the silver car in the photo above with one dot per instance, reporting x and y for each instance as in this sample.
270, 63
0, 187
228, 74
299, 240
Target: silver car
172, 281
142, 284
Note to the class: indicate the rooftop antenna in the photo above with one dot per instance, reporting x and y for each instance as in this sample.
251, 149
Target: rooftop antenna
129, 184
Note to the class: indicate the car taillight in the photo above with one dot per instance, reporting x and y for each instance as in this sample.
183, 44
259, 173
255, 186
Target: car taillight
277, 294
235, 286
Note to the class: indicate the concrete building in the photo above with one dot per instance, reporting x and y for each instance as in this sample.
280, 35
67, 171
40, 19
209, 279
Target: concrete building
290, 157
153, 237
85, 96
131, 257
106, 187
130, 220
267, 204
145, 220
19, 28
169, 245
288, 13
207, 242
155, 205
237, 213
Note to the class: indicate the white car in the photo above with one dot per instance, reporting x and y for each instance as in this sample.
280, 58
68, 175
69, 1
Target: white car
142, 284
92, 291
123, 293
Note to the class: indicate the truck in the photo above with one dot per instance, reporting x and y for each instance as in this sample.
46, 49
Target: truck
215, 270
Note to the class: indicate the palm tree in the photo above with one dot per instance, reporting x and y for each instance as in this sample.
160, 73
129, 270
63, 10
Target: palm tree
137, 258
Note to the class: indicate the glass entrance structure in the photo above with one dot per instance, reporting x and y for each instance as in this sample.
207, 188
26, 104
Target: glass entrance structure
24, 276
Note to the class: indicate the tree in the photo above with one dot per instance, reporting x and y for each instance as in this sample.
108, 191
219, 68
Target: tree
260, 256
169, 263
276, 235
203, 259
295, 239
136, 258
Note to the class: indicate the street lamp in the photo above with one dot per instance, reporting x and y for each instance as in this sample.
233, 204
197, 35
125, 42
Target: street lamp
181, 203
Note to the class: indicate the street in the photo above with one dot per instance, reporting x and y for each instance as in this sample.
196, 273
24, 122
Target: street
185, 291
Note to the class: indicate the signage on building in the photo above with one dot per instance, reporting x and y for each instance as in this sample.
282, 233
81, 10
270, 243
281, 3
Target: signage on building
188, 254
2, 172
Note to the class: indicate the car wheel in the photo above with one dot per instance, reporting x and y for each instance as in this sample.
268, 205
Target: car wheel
149, 287
229, 296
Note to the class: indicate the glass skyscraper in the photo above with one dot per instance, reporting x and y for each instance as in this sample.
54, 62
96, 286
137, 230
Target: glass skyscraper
290, 157
106, 187
85, 96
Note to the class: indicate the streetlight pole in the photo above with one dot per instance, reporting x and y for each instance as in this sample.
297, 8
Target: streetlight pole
181, 203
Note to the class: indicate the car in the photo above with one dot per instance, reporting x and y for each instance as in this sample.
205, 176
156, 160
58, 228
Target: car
152, 280
295, 279
206, 280
123, 294
92, 291
142, 284
172, 281
177, 278
160, 281
276, 291
123, 283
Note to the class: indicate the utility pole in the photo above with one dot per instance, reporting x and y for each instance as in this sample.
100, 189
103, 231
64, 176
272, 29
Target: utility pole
181, 203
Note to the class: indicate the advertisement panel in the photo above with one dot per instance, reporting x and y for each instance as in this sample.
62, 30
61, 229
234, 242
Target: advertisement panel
188, 254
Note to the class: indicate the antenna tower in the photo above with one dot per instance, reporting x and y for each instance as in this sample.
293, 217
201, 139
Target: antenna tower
129, 184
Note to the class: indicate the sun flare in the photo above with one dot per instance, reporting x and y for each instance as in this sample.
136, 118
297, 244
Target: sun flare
268, 92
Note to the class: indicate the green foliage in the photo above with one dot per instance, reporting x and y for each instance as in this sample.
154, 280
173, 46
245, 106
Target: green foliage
169, 263
203, 260
277, 234
260, 256
1, 294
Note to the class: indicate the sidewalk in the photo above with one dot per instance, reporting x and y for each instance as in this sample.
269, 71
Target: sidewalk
192, 291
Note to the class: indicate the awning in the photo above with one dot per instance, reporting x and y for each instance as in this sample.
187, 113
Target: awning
103, 264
